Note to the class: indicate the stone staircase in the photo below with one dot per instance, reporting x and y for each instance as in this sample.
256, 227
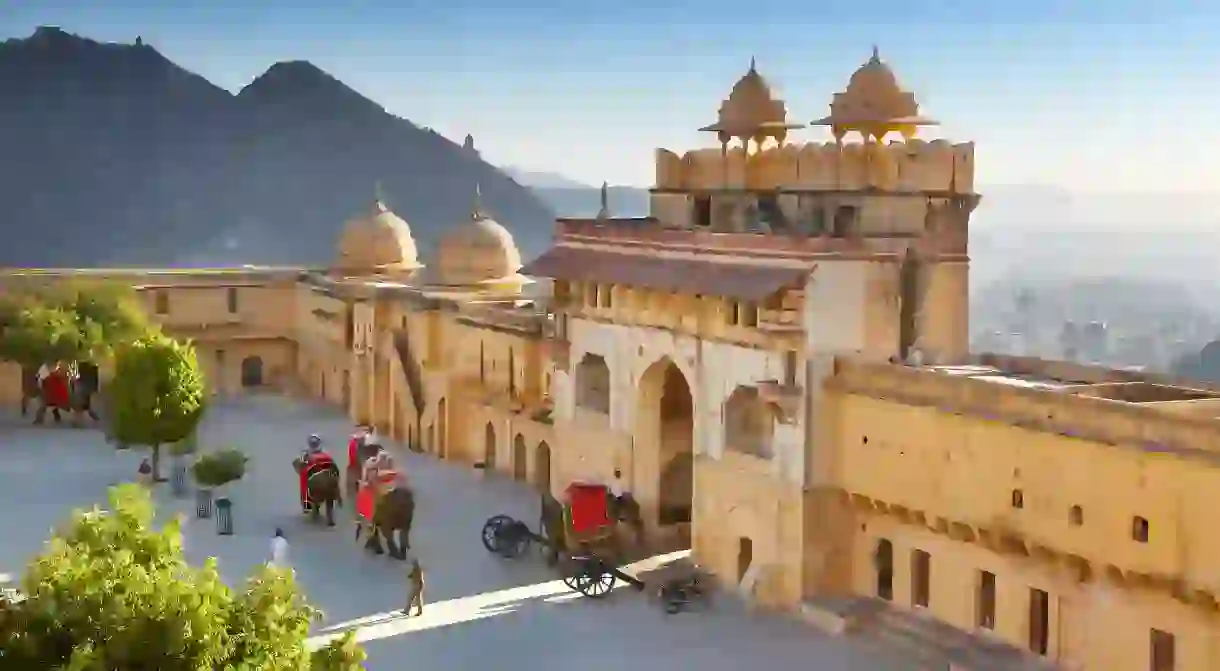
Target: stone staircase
926, 642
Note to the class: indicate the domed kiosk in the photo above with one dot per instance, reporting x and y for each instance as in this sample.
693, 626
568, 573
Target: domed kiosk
479, 253
874, 105
377, 242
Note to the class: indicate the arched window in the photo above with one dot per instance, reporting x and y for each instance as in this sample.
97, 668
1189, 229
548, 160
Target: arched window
749, 423
593, 384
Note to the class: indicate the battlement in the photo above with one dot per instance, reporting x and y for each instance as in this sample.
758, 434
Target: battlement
912, 166
1076, 408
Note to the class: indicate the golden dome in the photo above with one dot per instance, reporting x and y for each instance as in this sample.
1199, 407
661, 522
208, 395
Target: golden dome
751, 110
478, 251
874, 104
377, 242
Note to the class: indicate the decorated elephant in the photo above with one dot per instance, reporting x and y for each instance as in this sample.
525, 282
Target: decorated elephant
393, 512
323, 488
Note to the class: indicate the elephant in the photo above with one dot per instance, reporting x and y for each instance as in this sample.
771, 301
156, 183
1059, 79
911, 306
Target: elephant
324, 490
392, 518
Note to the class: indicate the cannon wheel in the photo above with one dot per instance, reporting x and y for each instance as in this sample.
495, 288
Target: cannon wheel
491, 533
592, 579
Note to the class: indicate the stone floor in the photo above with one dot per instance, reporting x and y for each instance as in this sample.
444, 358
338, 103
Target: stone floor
481, 610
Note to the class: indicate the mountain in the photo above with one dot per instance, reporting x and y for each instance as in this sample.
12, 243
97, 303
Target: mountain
114, 155
570, 198
542, 180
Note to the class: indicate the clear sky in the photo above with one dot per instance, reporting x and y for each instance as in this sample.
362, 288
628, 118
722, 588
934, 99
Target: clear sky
1098, 95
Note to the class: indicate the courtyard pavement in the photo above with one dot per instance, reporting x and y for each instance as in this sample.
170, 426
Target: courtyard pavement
480, 610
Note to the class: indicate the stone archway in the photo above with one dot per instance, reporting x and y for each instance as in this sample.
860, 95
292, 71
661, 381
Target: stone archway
489, 448
520, 465
442, 429
542, 467
665, 436
251, 372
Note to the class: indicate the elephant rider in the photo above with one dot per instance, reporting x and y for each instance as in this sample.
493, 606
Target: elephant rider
315, 458
359, 439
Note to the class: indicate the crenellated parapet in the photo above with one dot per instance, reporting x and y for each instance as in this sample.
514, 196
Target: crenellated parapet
912, 166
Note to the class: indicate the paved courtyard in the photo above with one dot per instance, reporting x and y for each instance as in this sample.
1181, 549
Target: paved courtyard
481, 610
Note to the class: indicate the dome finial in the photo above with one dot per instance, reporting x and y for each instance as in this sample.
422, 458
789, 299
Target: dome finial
753, 64
378, 195
604, 212
476, 210
876, 55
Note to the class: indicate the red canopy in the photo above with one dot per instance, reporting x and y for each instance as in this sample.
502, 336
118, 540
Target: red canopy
587, 507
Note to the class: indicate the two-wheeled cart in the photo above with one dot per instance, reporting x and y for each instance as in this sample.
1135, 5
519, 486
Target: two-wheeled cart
584, 523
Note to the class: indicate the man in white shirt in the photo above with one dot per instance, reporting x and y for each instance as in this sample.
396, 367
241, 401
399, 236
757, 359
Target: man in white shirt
279, 550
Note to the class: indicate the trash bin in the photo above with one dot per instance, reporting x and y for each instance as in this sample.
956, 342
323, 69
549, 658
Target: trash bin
203, 503
177, 479
224, 516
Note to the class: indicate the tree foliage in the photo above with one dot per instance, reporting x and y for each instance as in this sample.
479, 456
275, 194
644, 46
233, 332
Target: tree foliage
110, 592
219, 468
77, 321
157, 395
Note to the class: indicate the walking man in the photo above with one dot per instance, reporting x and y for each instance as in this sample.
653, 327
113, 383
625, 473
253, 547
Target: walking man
415, 587
279, 550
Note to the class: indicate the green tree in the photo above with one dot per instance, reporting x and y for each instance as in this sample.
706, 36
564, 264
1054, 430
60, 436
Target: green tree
76, 321
157, 394
110, 592
108, 315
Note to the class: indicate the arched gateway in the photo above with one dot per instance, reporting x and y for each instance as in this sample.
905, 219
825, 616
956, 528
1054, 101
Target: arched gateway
664, 439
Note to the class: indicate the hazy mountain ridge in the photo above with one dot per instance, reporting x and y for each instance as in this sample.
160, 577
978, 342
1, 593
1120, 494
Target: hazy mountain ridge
116, 155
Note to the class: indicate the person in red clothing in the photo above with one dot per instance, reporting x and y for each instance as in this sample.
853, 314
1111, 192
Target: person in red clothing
315, 458
56, 394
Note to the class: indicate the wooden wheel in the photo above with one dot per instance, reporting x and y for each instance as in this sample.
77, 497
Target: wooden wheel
592, 579
492, 539
595, 585
572, 569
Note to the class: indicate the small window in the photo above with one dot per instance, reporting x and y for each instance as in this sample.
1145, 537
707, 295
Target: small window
1139, 529
404, 322
845, 221
791, 365
162, 302
702, 215
1076, 516
232, 300
731, 313
606, 296
745, 314
1018, 499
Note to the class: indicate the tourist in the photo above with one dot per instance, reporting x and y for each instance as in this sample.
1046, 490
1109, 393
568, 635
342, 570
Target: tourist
144, 474
617, 489
279, 550
415, 587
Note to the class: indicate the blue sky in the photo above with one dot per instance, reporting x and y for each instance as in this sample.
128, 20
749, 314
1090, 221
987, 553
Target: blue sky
1104, 95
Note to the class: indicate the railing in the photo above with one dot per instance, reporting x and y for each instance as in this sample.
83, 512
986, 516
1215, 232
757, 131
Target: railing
411, 369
